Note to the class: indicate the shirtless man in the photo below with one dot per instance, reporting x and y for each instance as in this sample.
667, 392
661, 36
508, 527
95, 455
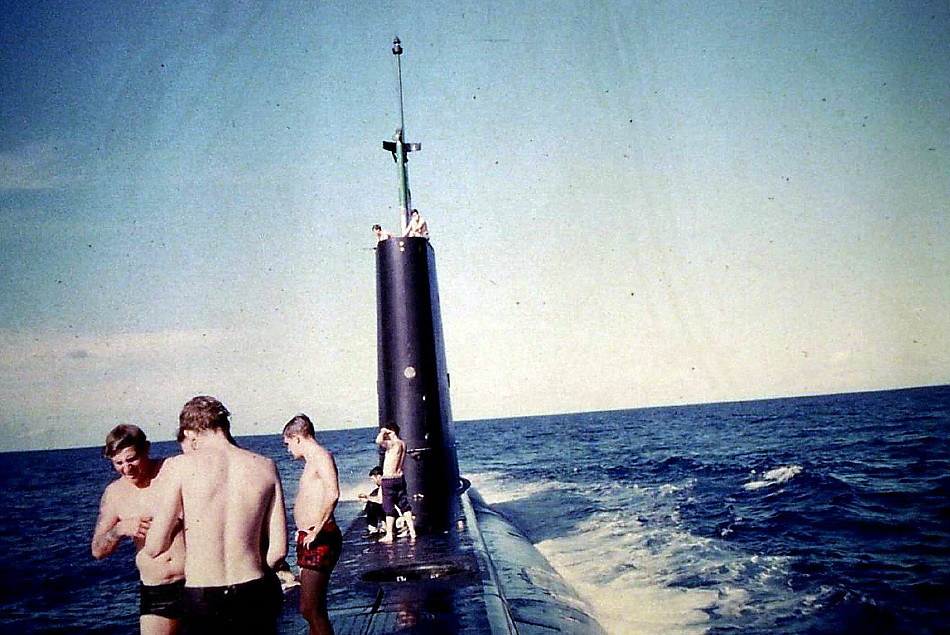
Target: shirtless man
126, 509
381, 234
319, 540
232, 504
394, 482
374, 501
417, 226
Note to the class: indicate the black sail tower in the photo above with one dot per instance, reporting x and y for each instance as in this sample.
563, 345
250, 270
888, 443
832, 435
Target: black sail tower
469, 571
413, 380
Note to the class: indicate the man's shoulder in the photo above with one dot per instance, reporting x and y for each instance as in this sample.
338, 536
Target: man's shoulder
115, 488
176, 462
319, 462
167, 465
253, 462
119, 492
247, 455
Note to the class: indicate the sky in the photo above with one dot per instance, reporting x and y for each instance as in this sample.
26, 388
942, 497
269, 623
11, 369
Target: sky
631, 204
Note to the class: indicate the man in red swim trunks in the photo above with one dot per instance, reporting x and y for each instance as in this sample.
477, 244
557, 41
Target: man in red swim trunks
319, 540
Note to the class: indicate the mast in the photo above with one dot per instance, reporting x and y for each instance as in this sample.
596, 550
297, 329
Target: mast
400, 148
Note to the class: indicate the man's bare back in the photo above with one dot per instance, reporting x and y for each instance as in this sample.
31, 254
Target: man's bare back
232, 503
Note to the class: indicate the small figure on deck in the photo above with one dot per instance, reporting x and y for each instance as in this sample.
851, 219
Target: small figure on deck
127, 508
417, 226
394, 482
319, 540
232, 505
374, 502
381, 234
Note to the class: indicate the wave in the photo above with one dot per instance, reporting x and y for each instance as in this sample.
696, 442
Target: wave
776, 476
628, 545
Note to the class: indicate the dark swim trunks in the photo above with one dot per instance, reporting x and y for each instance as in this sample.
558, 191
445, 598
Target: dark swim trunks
374, 514
163, 600
395, 495
323, 554
248, 608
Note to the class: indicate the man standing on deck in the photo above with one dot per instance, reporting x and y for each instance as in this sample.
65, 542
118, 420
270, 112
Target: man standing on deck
126, 509
394, 482
232, 505
319, 540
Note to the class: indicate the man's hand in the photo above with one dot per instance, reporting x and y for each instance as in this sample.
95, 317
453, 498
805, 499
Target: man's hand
310, 537
136, 527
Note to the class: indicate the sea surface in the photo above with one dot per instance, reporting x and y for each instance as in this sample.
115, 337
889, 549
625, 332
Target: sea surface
805, 515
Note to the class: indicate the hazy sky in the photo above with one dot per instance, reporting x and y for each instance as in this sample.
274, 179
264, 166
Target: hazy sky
632, 203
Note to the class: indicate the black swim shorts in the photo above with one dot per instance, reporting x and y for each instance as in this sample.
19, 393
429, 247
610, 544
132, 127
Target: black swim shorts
248, 608
163, 600
395, 495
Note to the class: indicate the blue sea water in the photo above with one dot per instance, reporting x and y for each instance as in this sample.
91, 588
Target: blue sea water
805, 515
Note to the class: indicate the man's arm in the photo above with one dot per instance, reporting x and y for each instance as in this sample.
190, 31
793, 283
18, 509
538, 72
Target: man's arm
276, 525
325, 469
111, 527
323, 478
167, 513
106, 536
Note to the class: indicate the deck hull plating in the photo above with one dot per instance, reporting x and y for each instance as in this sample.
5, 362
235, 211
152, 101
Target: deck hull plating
483, 576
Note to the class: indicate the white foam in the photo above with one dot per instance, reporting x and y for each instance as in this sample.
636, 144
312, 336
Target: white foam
495, 489
640, 572
775, 476
625, 584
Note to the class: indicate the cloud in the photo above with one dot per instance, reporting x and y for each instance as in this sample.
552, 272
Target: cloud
78, 385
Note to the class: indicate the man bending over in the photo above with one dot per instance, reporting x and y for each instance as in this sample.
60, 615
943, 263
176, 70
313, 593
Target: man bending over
127, 507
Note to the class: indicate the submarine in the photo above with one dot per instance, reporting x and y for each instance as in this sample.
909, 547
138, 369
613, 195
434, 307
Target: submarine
470, 570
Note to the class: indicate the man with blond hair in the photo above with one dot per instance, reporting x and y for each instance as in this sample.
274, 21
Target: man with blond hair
232, 505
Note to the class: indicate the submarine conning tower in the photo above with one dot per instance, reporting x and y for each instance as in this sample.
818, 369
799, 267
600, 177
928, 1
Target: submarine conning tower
413, 380
469, 571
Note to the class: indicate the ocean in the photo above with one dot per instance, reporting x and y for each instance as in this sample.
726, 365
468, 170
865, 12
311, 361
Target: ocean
803, 515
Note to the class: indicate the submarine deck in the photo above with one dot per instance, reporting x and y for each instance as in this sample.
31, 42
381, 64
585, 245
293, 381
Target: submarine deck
482, 576
435, 584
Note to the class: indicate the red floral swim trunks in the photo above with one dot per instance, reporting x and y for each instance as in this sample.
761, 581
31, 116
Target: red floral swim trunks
323, 554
